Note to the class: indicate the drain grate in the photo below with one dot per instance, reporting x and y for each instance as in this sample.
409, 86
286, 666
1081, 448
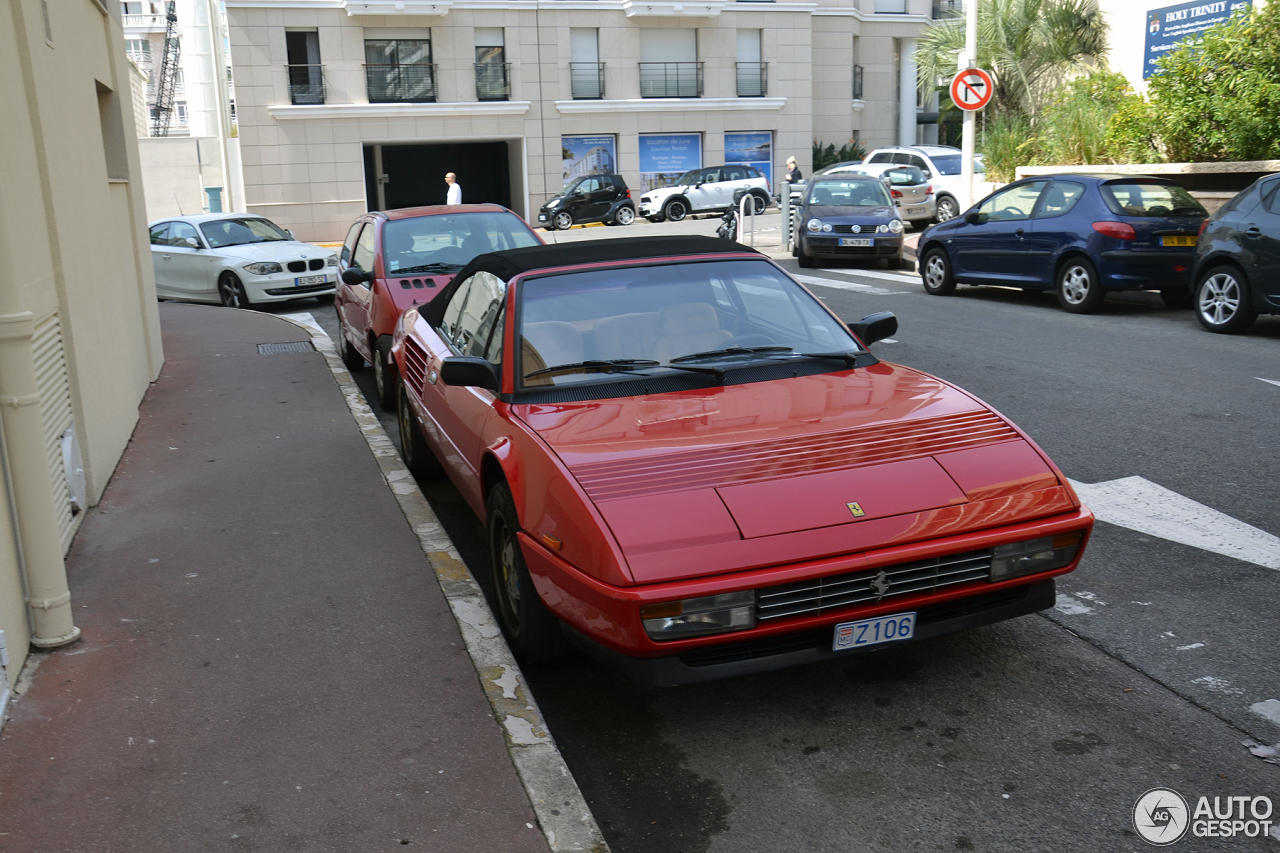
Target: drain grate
294, 346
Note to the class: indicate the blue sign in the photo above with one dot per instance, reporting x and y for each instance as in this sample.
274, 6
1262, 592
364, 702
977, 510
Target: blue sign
751, 149
1167, 27
664, 157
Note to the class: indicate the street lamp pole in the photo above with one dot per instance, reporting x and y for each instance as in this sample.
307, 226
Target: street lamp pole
968, 59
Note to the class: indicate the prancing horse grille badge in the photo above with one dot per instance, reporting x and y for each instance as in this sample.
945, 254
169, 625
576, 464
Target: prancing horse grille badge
856, 509
880, 585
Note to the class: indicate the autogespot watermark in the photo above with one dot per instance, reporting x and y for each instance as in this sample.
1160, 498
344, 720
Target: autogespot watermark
1162, 817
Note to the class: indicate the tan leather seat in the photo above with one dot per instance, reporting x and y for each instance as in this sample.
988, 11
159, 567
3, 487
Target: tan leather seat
627, 335
688, 328
549, 344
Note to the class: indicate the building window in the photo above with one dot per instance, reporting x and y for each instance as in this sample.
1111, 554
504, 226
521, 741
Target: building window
586, 71
669, 66
139, 50
752, 72
857, 82
398, 67
891, 7
493, 72
131, 8
306, 74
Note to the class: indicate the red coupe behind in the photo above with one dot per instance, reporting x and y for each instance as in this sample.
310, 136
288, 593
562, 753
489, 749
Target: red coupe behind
690, 468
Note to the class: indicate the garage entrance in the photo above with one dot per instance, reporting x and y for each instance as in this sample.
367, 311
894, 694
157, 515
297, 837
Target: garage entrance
413, 175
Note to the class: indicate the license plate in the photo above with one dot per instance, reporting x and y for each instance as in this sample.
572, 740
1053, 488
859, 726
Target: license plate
856, 241
1177, 241
911, 210
303, 281
542, 217
871, 632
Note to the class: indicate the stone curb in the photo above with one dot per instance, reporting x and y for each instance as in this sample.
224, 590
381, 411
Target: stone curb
562, 811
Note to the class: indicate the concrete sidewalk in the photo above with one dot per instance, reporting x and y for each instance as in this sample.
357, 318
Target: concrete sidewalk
270, 657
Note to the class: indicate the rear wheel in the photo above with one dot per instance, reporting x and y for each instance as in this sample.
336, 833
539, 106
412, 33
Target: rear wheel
418, 457
1222, 301
563, 220
231, 291
1079, 290
624, 216
531, 629
936, 274
676, 210
384, 375
759, 202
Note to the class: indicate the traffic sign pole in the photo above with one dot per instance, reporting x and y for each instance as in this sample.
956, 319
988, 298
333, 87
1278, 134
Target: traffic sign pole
968, 59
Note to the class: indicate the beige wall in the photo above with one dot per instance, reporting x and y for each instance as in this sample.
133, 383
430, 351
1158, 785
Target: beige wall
176, 170
75, 248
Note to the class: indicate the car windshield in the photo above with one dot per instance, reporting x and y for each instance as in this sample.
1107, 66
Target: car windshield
949, 164
602, 325
570, 187
448, 241
237, 232
849, 192
1150, 199
689, 177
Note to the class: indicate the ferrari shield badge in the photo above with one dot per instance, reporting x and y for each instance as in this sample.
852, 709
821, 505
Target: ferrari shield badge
856, 509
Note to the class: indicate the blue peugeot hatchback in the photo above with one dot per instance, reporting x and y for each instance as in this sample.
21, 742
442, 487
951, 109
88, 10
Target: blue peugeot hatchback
1081, 235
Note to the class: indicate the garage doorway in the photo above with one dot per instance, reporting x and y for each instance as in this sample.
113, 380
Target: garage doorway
413, 175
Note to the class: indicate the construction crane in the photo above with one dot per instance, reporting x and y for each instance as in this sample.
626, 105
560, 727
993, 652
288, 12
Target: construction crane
168, 74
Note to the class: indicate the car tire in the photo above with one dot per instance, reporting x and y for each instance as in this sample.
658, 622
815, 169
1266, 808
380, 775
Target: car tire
761, 203
948, 208
384, 380
1223, 303
549, 225
919, 224
893, 263
352, 360
418, 458
1177, 298
676, 210
532, 631
803, 258
935, 273
624, 216
562, 219
1079, 291
231, 291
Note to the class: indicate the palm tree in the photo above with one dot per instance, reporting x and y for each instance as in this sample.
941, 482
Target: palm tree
1029, 46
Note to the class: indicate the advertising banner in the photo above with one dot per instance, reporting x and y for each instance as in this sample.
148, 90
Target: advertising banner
751, 149
588, 155
664, 157
1167, 27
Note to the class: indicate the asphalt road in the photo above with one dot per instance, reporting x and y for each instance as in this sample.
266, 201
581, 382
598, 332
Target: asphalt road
1036, 734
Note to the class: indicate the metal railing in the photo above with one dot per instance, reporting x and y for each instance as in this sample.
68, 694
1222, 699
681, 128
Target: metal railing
149, 21
306, 84
401, 83
753, 79
586, 80
857, 82
493, 81
671, 79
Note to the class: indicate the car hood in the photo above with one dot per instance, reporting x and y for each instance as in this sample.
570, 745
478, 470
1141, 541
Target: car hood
851, 215
412, 289
284, 250
700, 482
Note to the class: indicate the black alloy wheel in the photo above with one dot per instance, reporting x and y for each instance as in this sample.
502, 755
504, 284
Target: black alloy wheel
231, 291
531, 629
676, 210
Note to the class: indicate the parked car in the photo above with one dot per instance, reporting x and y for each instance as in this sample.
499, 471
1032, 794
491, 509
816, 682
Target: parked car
847, 217
704, 191
1237, 265
941, 165
595, 198
236, 260
1081, 235
395, 259
911, 191
690, 468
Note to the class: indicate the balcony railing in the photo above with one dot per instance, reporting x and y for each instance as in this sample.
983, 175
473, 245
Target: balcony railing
149, 22
857, 82
390, 84
586, 80
306, 84
753, 79
671, 79
493, 81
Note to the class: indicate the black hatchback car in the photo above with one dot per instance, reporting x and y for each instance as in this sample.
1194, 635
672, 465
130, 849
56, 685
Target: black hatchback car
1237, 267
594, 198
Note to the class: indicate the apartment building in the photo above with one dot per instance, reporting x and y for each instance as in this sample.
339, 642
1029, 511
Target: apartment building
349, 105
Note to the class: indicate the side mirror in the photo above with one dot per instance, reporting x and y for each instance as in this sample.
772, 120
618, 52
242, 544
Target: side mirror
290, 233
875, 327
355, 276
469, 370
973, 217
191, 242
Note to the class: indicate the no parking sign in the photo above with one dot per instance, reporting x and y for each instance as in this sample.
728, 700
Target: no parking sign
971, 89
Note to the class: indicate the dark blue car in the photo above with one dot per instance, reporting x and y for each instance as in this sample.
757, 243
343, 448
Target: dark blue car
1081, 235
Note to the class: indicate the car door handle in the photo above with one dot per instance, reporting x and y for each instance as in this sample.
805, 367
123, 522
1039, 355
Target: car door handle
1253, 231
1019, 232
167, 257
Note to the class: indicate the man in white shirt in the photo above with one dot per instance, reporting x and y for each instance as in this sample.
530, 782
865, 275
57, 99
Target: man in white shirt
455, 190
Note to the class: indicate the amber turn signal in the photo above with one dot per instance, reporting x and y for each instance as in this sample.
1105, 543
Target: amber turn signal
552, 542
664, 610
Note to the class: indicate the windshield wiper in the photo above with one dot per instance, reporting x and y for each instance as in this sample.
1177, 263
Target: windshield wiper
849, 358
620, 365
436, 267
730, 351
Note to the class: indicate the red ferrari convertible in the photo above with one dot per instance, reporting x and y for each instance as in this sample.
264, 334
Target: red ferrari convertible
690, 468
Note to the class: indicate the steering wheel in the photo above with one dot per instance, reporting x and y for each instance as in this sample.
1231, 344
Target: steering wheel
449, 255
1016, 211
752, 340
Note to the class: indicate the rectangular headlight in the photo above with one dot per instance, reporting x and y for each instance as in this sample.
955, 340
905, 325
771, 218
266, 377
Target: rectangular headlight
1035, 555
695, 617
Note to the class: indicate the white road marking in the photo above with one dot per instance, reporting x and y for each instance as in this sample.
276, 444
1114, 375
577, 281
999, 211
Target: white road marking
304, 318
1190, 647
1268, 710
902, 278
1068, 605
843, 285
1217, 685
1272, 381
1141, 505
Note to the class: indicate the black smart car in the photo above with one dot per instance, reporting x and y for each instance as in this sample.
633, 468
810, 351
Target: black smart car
1237, 266
594, 198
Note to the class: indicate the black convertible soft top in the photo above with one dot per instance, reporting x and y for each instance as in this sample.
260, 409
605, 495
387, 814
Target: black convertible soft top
506, 265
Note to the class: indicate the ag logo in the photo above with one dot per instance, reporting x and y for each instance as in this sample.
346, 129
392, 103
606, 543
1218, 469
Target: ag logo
1161, 816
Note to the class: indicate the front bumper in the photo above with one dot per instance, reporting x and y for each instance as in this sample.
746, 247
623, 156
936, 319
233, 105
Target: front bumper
815, 645
284, 286
828, 246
